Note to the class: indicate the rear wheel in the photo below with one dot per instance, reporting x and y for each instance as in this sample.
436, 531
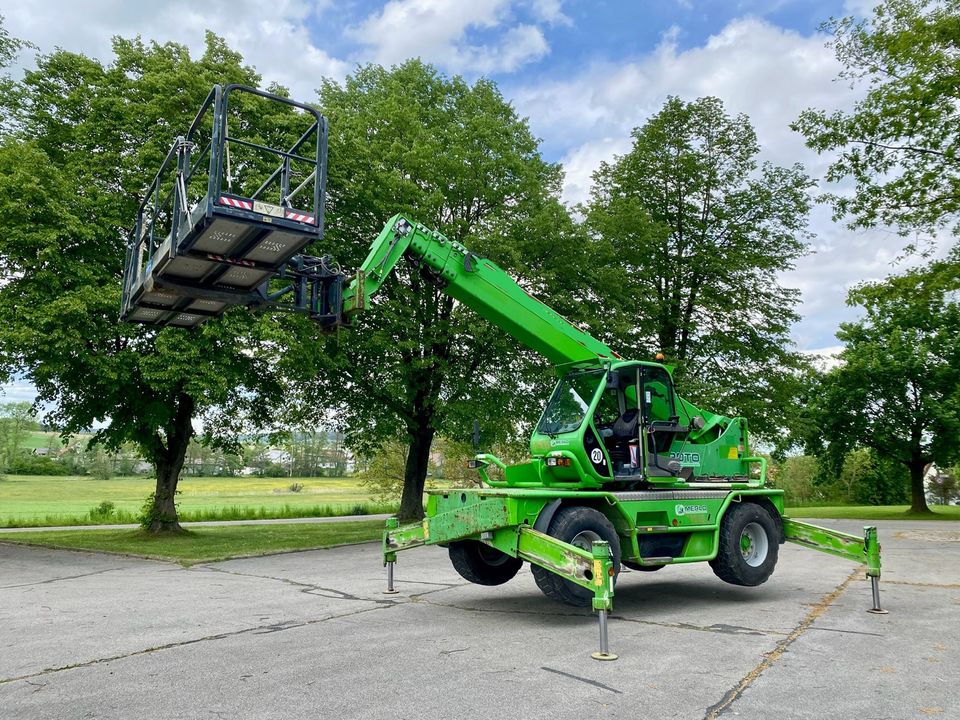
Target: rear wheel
749, 544
579, 526
482, 564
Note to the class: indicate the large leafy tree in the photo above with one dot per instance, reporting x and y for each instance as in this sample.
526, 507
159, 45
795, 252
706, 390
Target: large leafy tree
85, 141
899, 144
456, 157
897, 389
690, 234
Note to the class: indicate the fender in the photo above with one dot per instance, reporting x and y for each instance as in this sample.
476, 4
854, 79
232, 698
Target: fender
546, 515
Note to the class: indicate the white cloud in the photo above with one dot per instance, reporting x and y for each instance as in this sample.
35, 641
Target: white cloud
17, 391
860, 8
550, 12
274, 38
436, 30
582, 161
756, 68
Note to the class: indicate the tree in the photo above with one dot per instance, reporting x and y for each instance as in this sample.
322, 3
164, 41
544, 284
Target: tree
897, 389
456, 157
690, 235
10, 48
899, 144
99, 462
17, 419
85, 143
943, 488
385, 474
796, 475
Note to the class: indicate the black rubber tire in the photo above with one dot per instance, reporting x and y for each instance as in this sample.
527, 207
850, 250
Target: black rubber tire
642, 568
567, 524
730, 565
482, 564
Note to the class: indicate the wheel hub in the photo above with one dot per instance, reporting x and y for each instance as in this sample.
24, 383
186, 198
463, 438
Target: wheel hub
754, 544
585, 539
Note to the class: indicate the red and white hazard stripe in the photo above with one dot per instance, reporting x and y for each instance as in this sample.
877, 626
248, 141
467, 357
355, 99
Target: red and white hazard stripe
299, 217
233, 202
248, 205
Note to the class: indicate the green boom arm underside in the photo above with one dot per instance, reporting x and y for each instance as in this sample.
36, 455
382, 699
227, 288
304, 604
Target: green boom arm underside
479, 284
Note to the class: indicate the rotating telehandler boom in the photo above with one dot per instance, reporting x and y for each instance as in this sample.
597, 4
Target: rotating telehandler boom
622, 470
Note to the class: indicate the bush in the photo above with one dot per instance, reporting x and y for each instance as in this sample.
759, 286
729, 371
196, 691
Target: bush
273, 470
102, 512
37, 465
295, 487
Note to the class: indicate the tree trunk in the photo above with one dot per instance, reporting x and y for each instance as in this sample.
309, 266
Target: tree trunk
415, 474
918, 498
168, 462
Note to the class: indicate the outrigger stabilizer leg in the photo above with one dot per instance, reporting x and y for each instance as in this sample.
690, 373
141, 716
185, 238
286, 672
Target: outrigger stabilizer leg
864, 550
488, 521
872, 548
390, 558
601, 600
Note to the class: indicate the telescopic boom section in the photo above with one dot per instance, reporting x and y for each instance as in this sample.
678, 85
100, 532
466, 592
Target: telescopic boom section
480, 285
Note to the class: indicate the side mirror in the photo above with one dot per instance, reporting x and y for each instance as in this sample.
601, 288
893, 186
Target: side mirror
613, 380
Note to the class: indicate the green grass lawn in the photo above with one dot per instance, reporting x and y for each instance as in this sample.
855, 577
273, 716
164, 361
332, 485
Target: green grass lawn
874, 512
210, 543
67, 500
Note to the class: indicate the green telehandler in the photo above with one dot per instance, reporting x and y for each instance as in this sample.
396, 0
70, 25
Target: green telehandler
623, 471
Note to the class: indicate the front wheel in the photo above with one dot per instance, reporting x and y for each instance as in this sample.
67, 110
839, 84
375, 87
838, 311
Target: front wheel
749, 544
579, 526
482, 564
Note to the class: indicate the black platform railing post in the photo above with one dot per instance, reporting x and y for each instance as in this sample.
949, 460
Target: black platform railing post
285, 182
320, 179
153, 218
216, 146
175, 208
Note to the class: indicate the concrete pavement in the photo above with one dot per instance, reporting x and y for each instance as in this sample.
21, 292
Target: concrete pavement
309, 635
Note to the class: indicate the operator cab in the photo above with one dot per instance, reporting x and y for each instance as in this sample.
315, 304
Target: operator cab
637, 421
633, 425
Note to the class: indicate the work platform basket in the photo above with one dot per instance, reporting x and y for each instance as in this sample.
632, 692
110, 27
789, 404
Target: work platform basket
235, 199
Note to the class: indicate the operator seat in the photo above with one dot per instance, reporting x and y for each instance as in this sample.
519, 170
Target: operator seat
625, 427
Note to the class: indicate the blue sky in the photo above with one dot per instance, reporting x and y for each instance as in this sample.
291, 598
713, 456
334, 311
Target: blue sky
584, 72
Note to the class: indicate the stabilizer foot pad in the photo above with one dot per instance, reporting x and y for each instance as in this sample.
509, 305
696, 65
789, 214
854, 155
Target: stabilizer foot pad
604, 656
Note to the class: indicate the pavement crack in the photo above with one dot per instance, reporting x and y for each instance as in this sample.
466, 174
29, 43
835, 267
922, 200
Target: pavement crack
716, 710
588, 681
424, 582
943, 586
510, 611
256, 630
847, 632
59, 579
308, 588
715, 628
